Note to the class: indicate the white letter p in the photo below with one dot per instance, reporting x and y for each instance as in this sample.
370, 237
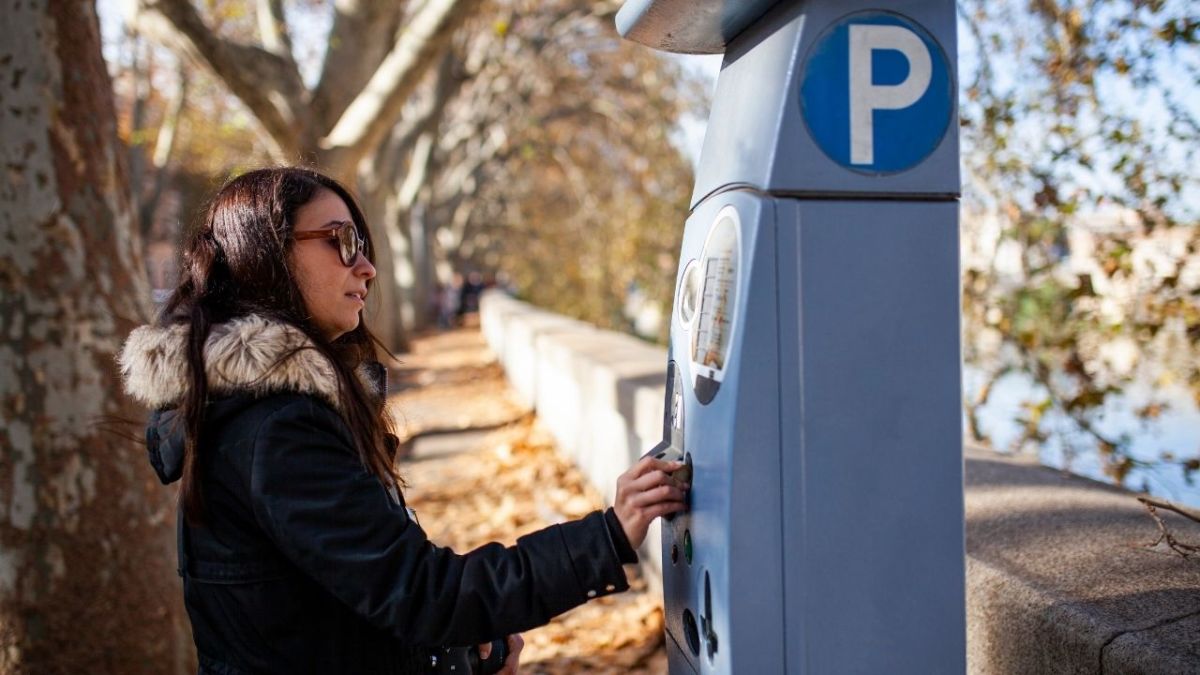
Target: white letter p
866, 97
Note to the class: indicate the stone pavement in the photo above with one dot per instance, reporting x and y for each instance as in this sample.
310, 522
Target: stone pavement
481, 469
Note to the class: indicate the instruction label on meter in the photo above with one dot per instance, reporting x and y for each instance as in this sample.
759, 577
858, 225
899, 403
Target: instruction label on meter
716, 306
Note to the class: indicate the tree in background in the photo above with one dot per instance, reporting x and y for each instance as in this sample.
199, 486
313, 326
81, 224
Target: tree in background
379, 52
555, 164
483, 134
1082, 261
87, 579
185, 135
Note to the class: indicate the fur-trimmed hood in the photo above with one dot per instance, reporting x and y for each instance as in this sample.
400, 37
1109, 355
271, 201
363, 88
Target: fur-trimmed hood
245, 355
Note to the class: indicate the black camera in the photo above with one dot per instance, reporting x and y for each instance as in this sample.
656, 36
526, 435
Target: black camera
466, 661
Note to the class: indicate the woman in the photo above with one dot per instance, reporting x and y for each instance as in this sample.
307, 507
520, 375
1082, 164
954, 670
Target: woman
295, 547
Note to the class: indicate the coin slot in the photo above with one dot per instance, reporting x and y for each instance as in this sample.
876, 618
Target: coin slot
684, 475
706, 620
691, 476
690, 632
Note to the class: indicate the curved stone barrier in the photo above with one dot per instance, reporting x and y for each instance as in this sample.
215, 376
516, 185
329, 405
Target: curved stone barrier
1057, 579
600, 393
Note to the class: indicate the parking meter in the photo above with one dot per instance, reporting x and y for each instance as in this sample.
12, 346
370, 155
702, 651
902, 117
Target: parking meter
813, 376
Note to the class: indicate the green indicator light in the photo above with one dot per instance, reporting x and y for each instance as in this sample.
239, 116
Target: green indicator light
687, 546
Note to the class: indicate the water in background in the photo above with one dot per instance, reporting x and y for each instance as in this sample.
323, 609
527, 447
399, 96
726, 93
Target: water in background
1176, 431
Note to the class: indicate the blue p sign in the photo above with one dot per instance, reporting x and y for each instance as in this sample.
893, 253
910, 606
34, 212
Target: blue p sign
876, 93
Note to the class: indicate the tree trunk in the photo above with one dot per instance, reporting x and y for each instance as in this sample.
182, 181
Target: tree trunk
396, 221
87, 579
164, 147
383, 316
424, 280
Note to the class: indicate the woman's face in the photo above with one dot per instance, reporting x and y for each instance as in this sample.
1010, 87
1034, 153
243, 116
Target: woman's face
333, 293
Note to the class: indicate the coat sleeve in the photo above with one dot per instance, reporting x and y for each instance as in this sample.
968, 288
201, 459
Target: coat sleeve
335, 521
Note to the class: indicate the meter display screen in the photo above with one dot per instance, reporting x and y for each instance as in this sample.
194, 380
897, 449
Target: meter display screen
716, 287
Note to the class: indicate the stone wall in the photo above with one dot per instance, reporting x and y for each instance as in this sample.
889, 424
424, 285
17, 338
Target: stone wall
600, 393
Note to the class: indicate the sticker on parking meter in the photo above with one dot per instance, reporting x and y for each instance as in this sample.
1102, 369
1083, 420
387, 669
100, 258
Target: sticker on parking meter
876, 93
713, 322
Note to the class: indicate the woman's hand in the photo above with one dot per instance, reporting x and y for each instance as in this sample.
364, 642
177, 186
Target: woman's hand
645, 492
515, 644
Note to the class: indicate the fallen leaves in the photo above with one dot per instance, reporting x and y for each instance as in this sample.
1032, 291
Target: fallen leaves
480, 404
511, 483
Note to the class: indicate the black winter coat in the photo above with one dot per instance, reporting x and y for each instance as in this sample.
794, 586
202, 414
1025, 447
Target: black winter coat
306, 563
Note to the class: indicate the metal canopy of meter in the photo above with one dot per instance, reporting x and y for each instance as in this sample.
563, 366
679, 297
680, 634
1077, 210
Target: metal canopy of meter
688, 26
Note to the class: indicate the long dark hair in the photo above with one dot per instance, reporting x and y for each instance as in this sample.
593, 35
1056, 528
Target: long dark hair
235, 263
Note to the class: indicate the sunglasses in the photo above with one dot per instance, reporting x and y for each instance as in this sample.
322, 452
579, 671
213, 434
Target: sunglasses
349, 242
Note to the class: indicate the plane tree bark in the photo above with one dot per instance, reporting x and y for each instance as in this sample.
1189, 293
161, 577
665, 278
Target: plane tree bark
87, 579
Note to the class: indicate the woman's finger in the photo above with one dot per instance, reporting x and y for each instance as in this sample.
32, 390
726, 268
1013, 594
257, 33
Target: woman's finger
647, 481
664, 508
646, 464
650, 481
512, 661
662, 493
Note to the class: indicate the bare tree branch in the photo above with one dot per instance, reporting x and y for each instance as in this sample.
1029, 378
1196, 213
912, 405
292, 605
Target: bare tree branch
417, 173
164, 147
269, 84
362, 34
448, 81
1164, 533
1160, 504
272, 26
377, 108
139, 71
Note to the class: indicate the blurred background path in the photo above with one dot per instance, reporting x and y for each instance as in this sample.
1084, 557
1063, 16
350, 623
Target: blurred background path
480, 469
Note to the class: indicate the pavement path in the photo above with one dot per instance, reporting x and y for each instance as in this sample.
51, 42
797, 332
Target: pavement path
481, 469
